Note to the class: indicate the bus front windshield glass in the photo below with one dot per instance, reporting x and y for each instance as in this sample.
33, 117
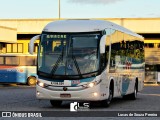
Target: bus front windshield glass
69, 54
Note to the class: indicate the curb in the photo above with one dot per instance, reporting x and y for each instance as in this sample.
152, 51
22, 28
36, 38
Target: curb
151, 84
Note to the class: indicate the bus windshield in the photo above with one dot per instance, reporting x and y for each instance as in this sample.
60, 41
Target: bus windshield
69, 54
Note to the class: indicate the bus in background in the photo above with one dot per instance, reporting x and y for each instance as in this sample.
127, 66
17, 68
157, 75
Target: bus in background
88, 60
18, 68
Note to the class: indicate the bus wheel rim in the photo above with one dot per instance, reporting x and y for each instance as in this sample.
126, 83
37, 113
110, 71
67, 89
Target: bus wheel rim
31, 81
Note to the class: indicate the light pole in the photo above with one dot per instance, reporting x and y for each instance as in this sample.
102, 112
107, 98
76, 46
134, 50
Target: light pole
59, 9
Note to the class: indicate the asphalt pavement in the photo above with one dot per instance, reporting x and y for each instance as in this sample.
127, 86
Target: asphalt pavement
22, 98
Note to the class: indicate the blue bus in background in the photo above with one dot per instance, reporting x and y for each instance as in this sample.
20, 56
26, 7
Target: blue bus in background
18, 68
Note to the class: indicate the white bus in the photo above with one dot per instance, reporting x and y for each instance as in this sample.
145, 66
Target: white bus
88, 60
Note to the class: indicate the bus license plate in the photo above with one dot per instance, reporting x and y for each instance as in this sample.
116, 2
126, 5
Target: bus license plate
65, 95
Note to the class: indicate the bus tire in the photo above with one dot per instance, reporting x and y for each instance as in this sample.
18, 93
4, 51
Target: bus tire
31, 81
56, 103
107, 102
133, 96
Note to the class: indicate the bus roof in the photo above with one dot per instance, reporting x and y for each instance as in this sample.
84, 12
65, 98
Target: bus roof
84, 26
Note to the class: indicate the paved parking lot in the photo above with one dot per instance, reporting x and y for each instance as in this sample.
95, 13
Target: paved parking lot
22, 98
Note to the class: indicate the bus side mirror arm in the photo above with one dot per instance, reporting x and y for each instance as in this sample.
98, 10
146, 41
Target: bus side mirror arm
31, 43
103, 44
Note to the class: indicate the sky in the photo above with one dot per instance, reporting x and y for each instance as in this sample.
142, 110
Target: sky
25, 9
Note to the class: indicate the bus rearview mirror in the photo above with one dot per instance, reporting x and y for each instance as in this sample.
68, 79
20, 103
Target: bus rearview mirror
103, 44
31, 43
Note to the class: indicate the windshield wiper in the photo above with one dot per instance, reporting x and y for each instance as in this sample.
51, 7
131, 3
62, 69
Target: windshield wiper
56, 64
75, 62
60, 58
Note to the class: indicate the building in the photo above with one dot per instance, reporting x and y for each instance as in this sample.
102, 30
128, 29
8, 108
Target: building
16, 33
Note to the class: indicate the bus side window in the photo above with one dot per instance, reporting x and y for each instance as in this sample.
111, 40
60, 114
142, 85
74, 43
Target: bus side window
27, 61
107, 44
107, 54
116, 37
12, 60
113, 50
1, 60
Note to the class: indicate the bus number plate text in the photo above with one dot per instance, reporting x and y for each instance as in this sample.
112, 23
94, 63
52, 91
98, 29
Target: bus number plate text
57, 83
65, 95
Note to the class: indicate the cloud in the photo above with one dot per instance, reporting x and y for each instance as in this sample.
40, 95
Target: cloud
94, 1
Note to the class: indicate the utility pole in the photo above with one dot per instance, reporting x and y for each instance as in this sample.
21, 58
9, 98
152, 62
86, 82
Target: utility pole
59, 9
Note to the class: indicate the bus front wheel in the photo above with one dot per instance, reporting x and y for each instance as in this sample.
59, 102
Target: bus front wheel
31, 81
108, 101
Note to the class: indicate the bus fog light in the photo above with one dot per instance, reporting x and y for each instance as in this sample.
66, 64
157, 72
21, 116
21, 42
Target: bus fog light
95, 94
38, 93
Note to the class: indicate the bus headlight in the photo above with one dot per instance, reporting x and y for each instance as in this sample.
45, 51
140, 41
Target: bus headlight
41, 84
92, 84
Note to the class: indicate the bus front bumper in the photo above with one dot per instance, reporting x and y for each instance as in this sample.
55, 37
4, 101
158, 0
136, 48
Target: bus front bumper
95, 93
